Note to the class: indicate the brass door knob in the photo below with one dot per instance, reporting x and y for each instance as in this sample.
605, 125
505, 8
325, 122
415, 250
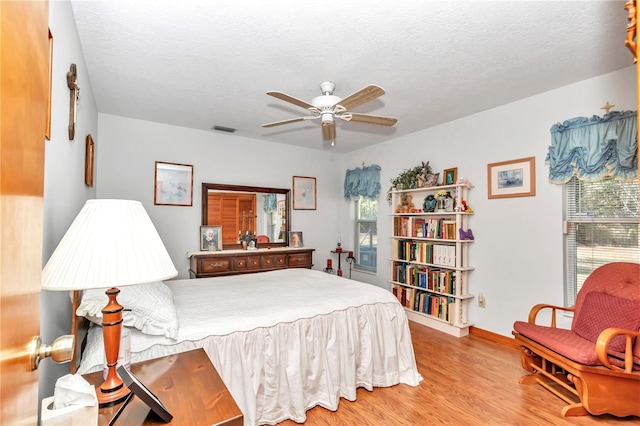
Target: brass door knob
60, 351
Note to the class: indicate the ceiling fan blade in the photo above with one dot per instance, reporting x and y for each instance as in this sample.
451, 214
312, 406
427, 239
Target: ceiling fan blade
291, 120
362, 96
373, 119
291, 99
329, 131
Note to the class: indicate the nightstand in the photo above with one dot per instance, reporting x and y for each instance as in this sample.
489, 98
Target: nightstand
188, 386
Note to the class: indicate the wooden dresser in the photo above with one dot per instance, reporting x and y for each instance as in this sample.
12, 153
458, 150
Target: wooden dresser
233, 262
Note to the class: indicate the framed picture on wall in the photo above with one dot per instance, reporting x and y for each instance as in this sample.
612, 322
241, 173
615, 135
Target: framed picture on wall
88, 160
173, 184
514, 178
304, 193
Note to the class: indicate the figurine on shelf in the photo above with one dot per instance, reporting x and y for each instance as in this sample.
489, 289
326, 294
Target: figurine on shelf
631, 28
466, 182
465, 207
429, 204
406, 204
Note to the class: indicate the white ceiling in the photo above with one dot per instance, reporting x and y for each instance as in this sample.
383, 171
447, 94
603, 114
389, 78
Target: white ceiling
197, 63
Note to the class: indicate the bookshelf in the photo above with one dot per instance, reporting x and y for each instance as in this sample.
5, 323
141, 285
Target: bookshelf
429, 260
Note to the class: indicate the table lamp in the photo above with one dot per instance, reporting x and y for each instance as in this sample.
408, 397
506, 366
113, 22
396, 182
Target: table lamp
110, 244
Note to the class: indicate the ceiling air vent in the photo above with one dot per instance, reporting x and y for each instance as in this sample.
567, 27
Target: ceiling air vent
223, 129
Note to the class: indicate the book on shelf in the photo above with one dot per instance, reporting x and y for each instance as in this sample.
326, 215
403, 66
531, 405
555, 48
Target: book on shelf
417, 227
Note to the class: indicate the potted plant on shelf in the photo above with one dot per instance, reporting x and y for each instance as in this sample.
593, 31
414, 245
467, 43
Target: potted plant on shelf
415, 177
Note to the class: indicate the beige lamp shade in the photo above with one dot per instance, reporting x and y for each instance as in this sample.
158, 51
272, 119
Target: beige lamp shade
111, 243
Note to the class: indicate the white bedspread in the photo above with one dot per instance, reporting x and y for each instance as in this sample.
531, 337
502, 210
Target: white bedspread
284, 341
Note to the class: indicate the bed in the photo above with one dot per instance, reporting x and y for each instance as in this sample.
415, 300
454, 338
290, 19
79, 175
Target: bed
283, 341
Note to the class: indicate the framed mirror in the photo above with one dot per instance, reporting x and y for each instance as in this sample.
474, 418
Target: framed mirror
241, 209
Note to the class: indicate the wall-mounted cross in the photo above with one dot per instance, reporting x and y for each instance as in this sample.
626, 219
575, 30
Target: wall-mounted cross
607, 107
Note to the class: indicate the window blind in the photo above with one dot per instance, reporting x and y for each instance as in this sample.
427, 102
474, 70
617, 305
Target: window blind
601, 226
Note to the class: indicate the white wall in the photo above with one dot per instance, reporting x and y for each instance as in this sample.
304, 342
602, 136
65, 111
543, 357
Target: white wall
64, 189
129, 149
517, 253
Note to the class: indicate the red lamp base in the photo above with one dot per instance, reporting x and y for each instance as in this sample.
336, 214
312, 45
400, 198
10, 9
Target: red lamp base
113, 390
109, 397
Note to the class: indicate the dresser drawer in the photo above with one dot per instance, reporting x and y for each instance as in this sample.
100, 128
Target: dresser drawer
215, 264
299, 259
275, 261
241, 263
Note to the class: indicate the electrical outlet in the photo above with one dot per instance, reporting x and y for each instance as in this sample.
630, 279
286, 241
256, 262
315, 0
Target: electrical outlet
481, 301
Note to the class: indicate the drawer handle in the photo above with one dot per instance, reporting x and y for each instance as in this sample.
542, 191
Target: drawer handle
299, 258
216, 265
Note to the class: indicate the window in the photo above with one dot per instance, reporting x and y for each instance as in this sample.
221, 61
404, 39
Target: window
601, 227
366, 234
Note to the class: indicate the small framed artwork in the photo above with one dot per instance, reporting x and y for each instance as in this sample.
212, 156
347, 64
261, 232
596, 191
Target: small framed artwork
432, 179
304, 193
173, 184
450, 176
47, 130
88, 161
281, 207
515, 178
295, 239
142, 392
210, 238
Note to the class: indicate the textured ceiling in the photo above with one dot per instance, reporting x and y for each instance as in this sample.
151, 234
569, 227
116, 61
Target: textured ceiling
203, 63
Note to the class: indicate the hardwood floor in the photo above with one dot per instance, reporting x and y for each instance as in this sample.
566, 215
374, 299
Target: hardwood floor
467, 381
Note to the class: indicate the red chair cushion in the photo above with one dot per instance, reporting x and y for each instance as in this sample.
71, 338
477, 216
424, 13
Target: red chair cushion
600, 311
560, 340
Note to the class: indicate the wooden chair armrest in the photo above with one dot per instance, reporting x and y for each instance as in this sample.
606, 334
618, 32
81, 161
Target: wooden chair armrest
537, 308
602, 345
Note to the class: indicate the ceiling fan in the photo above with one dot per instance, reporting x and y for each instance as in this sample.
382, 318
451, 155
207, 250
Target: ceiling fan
328, 107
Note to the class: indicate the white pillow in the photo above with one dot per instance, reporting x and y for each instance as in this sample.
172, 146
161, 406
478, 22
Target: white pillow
148, 307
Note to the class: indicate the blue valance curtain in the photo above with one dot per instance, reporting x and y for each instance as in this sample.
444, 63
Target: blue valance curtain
594, 148
270, 202
362, 182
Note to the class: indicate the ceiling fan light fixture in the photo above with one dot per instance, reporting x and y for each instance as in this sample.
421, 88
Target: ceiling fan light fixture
327, 118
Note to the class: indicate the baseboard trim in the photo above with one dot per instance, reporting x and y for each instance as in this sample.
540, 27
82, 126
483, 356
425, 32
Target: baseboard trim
494, 337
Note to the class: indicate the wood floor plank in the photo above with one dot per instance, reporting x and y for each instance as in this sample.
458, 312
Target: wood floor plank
467, 381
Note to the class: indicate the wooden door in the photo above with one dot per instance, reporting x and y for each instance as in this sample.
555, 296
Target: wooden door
24, 84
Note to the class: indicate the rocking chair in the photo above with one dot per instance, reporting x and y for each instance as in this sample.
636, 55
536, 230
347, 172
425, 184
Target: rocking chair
595, 366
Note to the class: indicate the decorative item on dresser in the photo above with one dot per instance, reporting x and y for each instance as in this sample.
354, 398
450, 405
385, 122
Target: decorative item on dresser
234, 262
429, 259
